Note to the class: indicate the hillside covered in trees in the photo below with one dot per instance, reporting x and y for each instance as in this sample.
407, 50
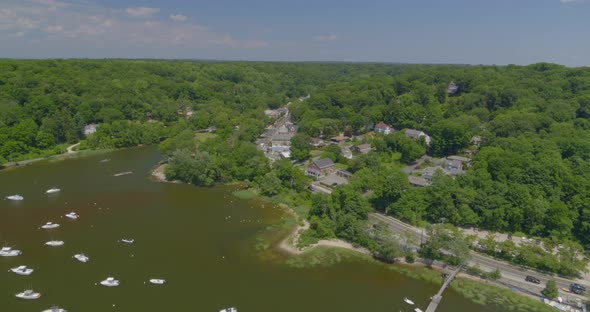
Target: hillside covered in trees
531, 174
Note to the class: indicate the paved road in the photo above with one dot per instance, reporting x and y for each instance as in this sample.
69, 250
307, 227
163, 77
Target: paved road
511, 274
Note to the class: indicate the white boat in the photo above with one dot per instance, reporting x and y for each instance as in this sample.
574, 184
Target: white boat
417, 310
9, 252
229, 310
408, 301
15, 197
81, 258
72, 215
52, 190
157, 281
128, 240
55, 309
54, 243
110, 282
22, 270
49, 226
122, 173
28, 294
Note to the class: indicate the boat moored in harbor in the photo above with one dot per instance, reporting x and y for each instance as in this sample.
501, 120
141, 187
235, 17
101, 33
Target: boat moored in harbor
54, 243
15, 197
49, 226
81, 257
110, 282
28, 294
22, 270
55, 309
52, 191
72, 215
9, 252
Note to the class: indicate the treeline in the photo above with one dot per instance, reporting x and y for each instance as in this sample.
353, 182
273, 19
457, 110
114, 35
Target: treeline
46, 103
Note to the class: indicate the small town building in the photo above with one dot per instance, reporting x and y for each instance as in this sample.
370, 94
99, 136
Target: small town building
90, 129
416, 134
363, 148
452, 88
319, 168
281, 139
454, 168
383, 128
317, 142
418, 181
339, 139
464, 160
271, 113
343, 173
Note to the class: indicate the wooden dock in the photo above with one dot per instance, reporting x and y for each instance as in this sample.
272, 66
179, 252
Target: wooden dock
438, 297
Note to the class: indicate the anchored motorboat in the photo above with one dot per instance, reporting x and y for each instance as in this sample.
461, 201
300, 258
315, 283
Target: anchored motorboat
15, 197
110, 282
55, 309
28, 294
49, 226
72, 215
52, 190
157, 281
81, 258
408, 301
54, 243
128, 240
9, 252
22, 270
229, 310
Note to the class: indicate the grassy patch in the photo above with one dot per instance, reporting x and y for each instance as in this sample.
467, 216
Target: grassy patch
478, 292
202, 137
245, 194
315, 152
326, 256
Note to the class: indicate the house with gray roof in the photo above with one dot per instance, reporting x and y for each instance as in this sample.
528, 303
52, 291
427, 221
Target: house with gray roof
416, 134
319, 168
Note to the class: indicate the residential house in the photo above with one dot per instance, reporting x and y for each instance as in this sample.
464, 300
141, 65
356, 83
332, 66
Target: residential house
339, 139
281, 139
319, 168
291, 128
383, 128
418, 181
317, 142
476, 140
271, 113
363, 148
416, 134
452, 88
464, 160
429, 172
90, 129
344, 173
454, 168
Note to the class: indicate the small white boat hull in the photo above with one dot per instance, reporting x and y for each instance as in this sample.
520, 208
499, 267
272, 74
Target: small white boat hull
81, 258
55, 243
22, 271
52, 191
15, 197
28, 296
229, 310
128, 241
72, 215
50, 226
408, 301
9, 252
157, 281
55, 309
110, 283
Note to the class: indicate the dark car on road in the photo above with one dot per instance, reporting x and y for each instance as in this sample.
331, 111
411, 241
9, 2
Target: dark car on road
577, 288
533, 279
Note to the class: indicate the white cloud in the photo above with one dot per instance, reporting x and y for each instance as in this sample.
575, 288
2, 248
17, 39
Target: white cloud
178, 17
53, 29
326, 38
96, 26
142, 11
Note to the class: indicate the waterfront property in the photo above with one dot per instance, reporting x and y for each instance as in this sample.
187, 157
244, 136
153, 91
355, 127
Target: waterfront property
319, 168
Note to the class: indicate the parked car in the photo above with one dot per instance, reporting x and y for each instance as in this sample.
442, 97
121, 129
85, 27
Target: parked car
577, 288
532, 279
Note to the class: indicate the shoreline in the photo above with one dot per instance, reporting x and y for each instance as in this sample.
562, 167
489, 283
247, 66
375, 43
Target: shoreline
69, 154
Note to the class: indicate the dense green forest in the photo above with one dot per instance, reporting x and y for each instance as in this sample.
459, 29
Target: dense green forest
531, 174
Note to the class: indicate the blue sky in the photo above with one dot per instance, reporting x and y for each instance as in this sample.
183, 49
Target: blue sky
412, 31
